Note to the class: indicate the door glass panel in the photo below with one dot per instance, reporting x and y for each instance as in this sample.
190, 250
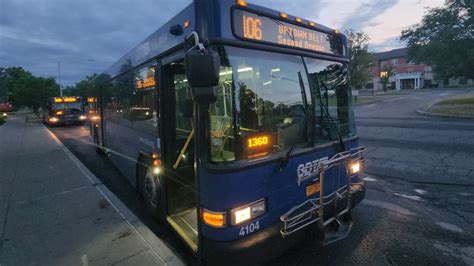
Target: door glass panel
181, 183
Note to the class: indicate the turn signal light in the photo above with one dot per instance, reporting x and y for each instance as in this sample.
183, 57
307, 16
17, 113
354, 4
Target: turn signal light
213, 219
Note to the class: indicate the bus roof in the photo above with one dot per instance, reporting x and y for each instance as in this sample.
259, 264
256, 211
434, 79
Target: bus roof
218, 21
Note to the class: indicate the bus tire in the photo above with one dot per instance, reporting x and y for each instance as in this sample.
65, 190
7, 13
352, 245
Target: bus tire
149, 188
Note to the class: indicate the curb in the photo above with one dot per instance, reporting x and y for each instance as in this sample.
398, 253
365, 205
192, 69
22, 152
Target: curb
431, 114
155, 244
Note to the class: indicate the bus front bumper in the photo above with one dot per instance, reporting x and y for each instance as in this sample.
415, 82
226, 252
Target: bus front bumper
265, 244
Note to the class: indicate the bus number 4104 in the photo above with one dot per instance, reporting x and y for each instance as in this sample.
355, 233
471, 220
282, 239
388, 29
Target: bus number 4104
249, 228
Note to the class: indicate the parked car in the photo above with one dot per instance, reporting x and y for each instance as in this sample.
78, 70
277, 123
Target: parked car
6, 107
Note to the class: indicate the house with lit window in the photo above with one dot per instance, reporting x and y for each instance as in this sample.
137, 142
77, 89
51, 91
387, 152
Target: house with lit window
406, 74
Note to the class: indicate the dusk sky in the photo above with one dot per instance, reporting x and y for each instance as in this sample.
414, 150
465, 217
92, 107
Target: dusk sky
87, 36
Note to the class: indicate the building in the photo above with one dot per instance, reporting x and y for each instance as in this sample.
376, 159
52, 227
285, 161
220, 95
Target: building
407, 74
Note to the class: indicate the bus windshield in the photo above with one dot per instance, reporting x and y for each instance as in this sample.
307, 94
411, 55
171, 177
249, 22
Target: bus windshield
269, 102
77, 106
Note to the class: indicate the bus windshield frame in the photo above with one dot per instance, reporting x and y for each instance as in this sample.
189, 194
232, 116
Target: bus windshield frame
269, 103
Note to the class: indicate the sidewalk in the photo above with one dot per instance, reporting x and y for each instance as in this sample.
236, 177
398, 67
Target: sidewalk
54, 211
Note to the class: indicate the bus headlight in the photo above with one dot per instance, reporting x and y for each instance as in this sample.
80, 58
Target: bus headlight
156, 170
4, 115
248, 212
53, 119
354, 167
82, 117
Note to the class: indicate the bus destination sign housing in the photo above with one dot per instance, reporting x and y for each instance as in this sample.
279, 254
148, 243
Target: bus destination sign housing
259, 28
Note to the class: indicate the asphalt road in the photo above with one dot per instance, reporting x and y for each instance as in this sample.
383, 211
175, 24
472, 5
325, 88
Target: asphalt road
420, 198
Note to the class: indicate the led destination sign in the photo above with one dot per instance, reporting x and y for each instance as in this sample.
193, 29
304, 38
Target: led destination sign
250, 26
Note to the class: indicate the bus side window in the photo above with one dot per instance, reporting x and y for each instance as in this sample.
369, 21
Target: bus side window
144, 104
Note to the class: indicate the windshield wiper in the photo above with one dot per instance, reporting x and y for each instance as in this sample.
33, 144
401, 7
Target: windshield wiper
284, 161
342, 146
324, 110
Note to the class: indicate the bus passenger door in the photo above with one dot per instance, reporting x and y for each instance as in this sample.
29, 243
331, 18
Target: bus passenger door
178, 153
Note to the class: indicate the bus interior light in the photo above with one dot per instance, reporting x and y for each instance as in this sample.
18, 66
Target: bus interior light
213, 219
242, 3
248, 212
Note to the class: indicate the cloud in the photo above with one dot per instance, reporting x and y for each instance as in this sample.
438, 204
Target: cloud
365, 13
37, 34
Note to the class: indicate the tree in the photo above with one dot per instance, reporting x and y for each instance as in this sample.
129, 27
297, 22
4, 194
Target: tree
385, 75
360, 58
445, 39
24, 89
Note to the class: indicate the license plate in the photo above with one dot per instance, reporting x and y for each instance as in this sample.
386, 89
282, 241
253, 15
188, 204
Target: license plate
312, 189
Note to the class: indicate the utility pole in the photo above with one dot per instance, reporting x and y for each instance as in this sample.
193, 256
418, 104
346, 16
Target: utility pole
59, 79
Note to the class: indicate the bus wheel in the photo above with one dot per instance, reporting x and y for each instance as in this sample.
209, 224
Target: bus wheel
149, 190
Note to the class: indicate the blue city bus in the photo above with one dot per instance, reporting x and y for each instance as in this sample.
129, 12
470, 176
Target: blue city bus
235, 124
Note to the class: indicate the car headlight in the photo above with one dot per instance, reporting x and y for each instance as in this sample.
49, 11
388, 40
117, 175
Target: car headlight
82, 117
248, 212
354, 167
4, 114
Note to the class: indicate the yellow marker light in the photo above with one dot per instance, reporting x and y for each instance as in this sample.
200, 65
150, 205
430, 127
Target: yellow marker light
213, 219
354, 168
312, 24
82, 117
59, 112
299, 20
241, 3
283, 15
187, 23
53, 119
337, 31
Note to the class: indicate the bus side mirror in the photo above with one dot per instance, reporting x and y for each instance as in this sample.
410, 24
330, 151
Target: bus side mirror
202, 71
202, 68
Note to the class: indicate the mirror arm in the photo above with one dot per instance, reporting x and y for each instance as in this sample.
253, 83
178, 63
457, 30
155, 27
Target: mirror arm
197, 44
